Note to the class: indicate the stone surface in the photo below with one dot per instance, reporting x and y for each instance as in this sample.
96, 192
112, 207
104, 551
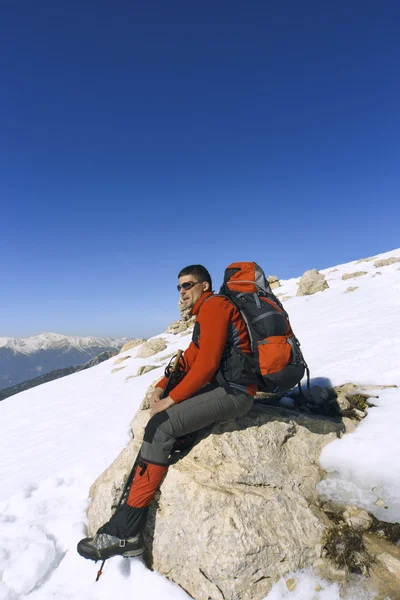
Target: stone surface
312, 282
273, 282
357, 518
245, 493
353, 275
387, 261
118, 369
151, 348
132, 344
385, 569
177, 327
351, 289
326, 569
291, 584
121, 359
145, 369
369, 259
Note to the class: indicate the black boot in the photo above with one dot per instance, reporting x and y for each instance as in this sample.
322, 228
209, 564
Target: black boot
103, 545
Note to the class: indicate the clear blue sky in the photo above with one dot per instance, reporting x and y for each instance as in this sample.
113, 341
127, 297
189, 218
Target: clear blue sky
139, 137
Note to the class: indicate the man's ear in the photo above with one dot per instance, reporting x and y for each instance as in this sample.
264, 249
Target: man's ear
206, 286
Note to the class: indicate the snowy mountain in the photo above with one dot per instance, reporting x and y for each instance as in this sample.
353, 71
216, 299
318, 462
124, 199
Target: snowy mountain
26, 358
59, 437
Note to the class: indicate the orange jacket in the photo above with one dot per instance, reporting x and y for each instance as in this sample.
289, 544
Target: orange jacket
201, 363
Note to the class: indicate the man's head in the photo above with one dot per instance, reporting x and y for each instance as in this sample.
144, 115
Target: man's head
193, 282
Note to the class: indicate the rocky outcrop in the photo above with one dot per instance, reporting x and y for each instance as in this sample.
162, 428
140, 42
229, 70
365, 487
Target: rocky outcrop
145, 369
121, 359
273, 282
312, 282
243, 500
185, 322
387, 261
353, 275
151, 347
132, 344
369, 259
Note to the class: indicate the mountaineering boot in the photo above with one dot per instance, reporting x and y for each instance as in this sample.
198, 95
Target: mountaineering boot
103, 546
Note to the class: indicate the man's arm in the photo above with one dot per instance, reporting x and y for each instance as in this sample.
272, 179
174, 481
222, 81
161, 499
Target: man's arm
213, 318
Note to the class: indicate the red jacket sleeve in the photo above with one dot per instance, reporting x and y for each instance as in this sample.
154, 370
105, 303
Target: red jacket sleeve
213, 318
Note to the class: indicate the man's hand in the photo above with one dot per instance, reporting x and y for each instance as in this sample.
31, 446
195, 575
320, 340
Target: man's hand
155, 396
161, 405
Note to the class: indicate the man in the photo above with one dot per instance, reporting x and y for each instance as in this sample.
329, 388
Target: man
197, 401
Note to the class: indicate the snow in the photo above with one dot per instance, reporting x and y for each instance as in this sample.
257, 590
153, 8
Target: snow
49, 341
58, 437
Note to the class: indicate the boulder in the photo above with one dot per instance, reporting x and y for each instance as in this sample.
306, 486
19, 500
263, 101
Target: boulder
145, 369
387, 261
121, 359
239, 511
177, 327
312, 282
353, 275
365, 259
273, 281
132, 344
151, 347
117, 369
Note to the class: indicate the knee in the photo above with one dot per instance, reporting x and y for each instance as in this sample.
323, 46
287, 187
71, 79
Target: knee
154, 425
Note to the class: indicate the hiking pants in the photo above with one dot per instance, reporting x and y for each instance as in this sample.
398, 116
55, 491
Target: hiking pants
209, 405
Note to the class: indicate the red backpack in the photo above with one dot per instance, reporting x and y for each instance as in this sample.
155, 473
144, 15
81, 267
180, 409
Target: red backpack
277, 360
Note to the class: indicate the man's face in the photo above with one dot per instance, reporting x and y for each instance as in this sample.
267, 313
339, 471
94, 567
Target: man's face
190, 297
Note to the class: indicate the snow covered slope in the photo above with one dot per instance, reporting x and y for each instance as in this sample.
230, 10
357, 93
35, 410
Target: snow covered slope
57, 438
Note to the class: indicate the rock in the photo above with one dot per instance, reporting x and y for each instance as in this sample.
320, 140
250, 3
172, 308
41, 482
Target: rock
291, 584
186, 313
325, 568
380, 502
365, 260
353, 275
351, 289
385, 569
333, 271
118, 369
357, 518
312, 282
377, 273
359, 413
177, 327
386, 261
245, 493
273, 282
151, 348
121, 359
318, 550
146, 369
132, 344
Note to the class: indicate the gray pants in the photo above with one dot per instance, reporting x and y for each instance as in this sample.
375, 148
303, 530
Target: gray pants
209, 405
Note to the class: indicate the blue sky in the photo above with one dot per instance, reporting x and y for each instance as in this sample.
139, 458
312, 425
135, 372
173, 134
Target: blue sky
139, 137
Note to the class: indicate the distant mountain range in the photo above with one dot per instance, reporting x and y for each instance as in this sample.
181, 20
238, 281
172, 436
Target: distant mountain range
51, 375
27, 358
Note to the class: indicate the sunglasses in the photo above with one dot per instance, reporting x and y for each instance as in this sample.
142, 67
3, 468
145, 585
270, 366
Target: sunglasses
187, 285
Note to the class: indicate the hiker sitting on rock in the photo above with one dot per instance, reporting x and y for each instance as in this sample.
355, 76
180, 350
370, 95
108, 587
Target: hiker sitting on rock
215, 386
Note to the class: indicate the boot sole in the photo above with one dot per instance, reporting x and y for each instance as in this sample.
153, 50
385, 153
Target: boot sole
133, 553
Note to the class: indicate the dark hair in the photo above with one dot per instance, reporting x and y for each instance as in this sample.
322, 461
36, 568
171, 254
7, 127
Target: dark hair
198, 271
